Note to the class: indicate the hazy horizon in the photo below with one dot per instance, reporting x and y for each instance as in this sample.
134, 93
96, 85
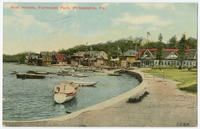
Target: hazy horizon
38, 30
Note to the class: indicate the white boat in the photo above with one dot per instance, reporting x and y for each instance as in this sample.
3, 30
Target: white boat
64, 92
86, 84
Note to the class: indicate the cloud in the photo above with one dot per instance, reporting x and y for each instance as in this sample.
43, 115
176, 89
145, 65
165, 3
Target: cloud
65, 8
137, 20
19, 18
156, 5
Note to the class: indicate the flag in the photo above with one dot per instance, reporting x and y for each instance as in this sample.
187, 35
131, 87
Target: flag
148, 33
90, 48
118, 48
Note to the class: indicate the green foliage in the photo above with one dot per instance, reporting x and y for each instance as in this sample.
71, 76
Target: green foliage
154, 45
111, 48
182, 46
16, 58
159, 53
173, 43
192, 43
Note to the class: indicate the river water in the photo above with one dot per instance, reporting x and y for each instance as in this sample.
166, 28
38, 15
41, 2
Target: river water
32, 99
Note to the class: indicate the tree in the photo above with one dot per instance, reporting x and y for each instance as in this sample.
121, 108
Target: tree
192, 42
182, 46
159, 52
173, 42
159, 46
160, 37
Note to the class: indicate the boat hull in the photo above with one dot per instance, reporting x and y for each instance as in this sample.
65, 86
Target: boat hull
30, 76
86, 84
61, 98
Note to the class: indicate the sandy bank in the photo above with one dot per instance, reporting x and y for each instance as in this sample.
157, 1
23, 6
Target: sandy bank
164, 106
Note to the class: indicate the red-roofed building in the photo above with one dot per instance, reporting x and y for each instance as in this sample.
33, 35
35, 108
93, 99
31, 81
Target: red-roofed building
170, 58
60, 57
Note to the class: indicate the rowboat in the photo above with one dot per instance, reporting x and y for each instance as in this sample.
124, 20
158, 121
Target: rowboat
13, 72
79, 75
29, 76
85, 84
65, 91
63, 74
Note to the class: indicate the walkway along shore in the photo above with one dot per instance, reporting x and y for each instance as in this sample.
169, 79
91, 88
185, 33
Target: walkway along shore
164, 106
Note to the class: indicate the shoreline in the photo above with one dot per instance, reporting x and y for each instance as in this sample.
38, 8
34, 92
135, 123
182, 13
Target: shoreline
97, 115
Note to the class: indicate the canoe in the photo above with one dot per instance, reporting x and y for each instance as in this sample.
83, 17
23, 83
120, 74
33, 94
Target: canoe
64, 92
29, 76
36, 72
85, 84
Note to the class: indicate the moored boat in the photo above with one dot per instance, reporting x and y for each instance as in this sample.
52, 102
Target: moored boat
85, 84
79, 75
13, 72
64, 92
36, 72
29, 76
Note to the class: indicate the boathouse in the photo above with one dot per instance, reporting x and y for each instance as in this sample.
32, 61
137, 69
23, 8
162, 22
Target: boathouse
129, 58
60, 58
170, 58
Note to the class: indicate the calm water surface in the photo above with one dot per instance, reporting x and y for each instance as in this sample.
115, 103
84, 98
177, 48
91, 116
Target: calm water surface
32, 99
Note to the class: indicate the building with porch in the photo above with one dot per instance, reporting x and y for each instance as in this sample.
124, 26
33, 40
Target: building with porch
170, 58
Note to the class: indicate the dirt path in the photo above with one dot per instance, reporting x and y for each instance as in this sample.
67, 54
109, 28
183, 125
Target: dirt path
164, 106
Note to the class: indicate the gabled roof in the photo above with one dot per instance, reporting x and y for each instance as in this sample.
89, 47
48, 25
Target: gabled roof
47, 53
130, 53
93, 54
192, 54
147, 55
60, 57
167, 53
170, 55
80, 53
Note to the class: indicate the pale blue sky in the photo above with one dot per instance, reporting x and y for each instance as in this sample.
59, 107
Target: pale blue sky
38, 30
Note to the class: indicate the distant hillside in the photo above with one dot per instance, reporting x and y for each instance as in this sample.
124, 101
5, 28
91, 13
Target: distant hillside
112, 48
16, 58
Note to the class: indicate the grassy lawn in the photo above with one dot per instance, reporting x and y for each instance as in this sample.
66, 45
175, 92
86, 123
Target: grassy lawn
187, 79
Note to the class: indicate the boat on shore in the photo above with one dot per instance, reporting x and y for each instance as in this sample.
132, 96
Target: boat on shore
65, 91
29, 76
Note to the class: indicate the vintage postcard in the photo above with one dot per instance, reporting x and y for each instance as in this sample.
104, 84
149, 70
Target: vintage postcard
100, 64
